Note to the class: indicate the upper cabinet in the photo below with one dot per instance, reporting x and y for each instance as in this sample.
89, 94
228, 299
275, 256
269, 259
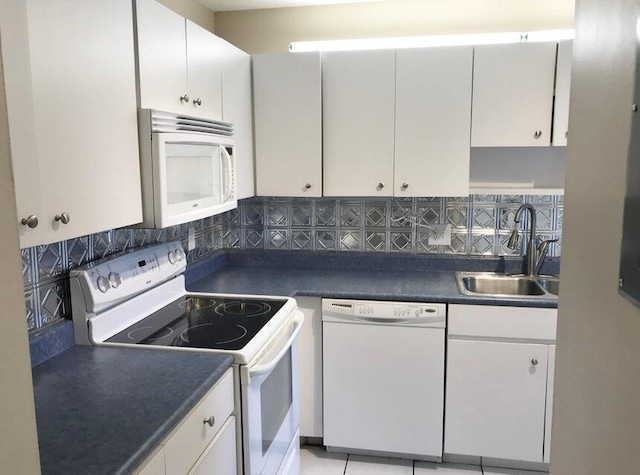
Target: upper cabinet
432, 121
563, 87
179, 67
358, 97
236, 108
288, 124
81, 174
513, 95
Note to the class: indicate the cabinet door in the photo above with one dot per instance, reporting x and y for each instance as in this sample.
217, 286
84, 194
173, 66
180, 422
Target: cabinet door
204, 73
358, 97
551, 371
563, 88
85, 115
162, 58
433, 121
288, 124
495, 399
513, 95
236, 108
311, 367
220, 456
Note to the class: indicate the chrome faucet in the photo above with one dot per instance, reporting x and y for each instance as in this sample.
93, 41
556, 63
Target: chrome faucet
534, 258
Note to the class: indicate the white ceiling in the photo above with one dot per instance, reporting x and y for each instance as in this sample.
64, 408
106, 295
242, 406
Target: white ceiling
229, 5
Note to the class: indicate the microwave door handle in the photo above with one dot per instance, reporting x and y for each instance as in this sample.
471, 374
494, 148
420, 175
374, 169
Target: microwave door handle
265, 368
228, 190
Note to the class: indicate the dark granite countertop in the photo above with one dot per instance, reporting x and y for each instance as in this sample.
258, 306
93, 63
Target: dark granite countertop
103, 410
356, 277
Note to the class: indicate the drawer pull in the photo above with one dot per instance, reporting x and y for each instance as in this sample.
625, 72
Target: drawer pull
211, 421
534, 361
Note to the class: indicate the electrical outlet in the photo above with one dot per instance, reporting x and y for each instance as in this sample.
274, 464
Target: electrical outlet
191, 234
440, 235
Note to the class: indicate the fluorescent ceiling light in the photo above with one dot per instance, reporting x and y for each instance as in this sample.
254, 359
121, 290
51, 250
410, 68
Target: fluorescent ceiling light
433, 40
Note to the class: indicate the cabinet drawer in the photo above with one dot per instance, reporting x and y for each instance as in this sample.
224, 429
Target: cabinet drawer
191, 438
484, 321
220, 456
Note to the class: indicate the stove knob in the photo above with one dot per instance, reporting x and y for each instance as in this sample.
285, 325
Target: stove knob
180, 253
172, 257
103, 284
115, 279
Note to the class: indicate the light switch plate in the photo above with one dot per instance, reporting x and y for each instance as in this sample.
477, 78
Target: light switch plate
440, 235
191, 234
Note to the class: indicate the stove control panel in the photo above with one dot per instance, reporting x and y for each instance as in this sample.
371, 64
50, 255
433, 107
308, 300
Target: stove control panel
104, 283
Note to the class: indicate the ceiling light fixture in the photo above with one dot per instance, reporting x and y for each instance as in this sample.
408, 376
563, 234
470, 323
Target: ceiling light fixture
431, 41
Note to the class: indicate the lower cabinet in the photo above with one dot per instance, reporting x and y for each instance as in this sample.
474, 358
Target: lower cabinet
499, 388
204, 441
311, 367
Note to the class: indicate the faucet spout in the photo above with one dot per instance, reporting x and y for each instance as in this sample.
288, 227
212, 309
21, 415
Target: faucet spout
531, 245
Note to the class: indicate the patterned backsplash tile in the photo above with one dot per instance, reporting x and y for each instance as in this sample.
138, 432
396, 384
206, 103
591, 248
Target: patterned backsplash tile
480, 225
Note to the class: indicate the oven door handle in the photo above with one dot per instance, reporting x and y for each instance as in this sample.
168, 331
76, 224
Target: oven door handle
265, 368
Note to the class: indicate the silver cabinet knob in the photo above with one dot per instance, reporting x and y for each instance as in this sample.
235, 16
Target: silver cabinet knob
184, 98
197, 102
307, 186
31, 221
404, 186
64, 217
380, 185
211, 421
534, 361
566, 134
537, 134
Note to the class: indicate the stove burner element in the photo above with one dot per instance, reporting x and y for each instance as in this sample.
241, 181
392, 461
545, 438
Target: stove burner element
185, 334
163, 333
234, 339
211, 332
245, 309
200, 303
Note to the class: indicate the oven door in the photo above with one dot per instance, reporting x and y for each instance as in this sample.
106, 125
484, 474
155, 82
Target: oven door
271, 403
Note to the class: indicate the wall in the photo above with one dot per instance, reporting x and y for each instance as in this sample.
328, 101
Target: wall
18, 436
193, 10
45, 269
596, 425
270, 31
481, 224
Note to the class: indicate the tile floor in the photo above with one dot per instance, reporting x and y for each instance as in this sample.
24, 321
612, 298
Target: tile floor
316, 461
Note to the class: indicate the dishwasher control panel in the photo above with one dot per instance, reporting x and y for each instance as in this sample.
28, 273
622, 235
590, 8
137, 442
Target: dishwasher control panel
385, 312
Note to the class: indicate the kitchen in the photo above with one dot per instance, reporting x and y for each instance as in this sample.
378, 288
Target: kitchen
601, 205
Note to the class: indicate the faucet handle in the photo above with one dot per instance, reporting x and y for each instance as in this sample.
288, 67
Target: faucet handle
543, 244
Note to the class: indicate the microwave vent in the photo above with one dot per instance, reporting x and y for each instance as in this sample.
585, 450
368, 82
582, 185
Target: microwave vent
168, 122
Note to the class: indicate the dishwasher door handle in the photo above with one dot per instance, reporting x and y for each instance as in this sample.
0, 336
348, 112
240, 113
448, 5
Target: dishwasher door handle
380, 320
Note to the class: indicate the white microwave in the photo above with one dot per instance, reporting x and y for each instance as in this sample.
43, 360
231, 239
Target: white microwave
187, 167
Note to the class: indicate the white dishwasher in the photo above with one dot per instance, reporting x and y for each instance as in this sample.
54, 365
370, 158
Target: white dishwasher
383, 377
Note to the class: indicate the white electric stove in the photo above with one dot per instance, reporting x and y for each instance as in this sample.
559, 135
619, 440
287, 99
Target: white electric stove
138, 299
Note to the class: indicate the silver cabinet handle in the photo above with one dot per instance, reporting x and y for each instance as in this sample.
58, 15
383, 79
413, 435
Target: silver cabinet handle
197, 102
307, 186
566, 134
534, 361
537, 134
184, 98
211, 421
380, 185
31, 221
64, 217
404, 186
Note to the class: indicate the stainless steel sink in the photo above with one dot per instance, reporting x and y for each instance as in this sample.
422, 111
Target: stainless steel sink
503, 285
550, 284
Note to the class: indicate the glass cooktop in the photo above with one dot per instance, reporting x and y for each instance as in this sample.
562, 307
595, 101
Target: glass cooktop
224, 323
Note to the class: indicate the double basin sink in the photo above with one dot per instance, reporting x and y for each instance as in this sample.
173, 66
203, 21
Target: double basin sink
505, 285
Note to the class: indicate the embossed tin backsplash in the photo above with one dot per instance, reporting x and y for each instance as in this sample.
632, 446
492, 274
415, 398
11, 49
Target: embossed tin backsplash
480, 226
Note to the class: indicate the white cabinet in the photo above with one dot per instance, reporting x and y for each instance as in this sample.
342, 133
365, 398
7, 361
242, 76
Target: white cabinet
433, 121
549, 409
178, 63
204, 441
563, 89
496, 399
288, 124
358, 97
311, 367
513, 95
237, 109
83, 159
499, 393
